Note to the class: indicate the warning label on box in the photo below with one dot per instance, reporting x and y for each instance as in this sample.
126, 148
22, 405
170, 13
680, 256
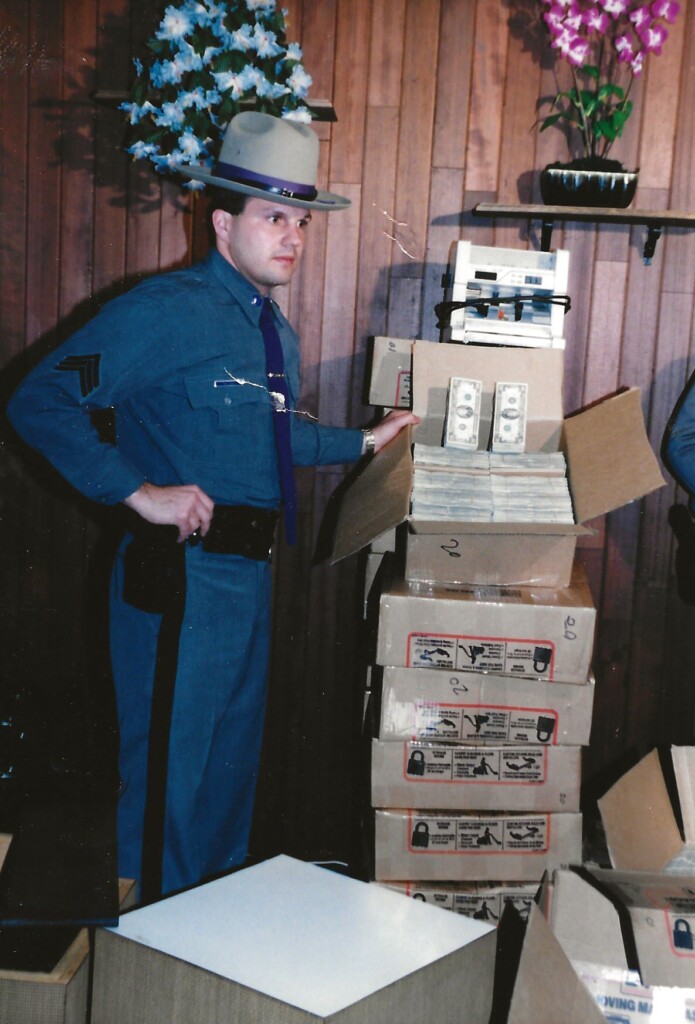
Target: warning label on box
485, 723
511, 765
475, 835
499, 655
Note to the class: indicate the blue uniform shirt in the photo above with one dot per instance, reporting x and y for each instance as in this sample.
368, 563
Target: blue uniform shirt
181, 359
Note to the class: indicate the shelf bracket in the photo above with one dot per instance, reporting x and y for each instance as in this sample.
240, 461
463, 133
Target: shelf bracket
547, 225
653, 235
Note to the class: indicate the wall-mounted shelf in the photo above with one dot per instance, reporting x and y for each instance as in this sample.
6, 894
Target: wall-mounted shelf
654, 220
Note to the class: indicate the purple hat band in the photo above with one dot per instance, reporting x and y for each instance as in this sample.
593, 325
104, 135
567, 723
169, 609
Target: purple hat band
286, 189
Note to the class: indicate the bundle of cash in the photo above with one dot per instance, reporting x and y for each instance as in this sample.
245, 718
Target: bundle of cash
463, 413
475, 486
509, 421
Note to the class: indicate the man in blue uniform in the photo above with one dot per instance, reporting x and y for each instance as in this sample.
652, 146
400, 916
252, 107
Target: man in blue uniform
202, 370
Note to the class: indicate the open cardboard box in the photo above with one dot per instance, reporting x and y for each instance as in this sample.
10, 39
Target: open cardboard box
610, 463
390, 372
485, 901
628, 932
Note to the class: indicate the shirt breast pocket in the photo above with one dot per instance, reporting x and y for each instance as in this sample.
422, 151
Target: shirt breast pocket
231, 418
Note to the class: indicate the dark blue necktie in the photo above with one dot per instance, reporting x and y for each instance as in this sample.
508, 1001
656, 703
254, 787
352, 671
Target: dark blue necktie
277, 386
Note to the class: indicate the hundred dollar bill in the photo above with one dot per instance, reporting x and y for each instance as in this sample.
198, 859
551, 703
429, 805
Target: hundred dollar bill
509, 421
463, 413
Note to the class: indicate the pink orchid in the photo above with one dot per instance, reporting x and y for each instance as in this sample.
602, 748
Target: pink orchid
596, 20
624, 47
667, 9
615, 7
653, 38
641, 18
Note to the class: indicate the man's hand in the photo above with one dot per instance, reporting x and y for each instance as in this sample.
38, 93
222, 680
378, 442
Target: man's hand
186, 507
391, 425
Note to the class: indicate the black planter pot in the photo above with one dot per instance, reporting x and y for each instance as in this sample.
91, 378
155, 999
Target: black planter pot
588, 183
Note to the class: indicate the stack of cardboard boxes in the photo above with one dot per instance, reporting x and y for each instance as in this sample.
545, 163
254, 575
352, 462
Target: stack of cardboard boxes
484, 638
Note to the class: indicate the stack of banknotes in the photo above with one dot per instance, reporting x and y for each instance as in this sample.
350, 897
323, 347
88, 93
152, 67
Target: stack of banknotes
489, 486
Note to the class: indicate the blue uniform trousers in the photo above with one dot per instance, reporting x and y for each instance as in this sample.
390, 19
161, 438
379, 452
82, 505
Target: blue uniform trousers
217, 718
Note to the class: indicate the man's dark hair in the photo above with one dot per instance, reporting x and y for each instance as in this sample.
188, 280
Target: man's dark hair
225, 199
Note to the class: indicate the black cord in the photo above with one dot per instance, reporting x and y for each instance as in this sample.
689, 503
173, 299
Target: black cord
445, 309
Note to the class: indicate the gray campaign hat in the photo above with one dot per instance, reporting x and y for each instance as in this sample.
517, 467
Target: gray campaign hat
272, 158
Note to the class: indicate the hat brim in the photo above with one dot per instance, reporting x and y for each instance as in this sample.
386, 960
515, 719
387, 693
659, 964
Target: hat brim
324, 200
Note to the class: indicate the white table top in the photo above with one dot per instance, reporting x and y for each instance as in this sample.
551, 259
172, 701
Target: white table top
301, 933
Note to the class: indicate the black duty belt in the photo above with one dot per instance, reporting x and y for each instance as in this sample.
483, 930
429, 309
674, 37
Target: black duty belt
155, 561
240, 530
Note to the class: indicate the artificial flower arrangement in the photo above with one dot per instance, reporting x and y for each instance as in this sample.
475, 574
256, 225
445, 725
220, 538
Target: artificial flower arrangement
206, 61
606, 43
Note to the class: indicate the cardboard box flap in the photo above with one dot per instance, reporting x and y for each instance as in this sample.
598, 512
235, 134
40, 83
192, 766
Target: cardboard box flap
434, 366
585, 923
611, 460
377, 500
452, 526
661, 912
547, 987
684, 766
641, 829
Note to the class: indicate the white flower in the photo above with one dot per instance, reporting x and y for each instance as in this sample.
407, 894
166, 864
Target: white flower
294, 52
242, 39
299, 81
191, 146
172, 116
175, 24
142, 149
226, 80
263, 6
301, 114
266, 42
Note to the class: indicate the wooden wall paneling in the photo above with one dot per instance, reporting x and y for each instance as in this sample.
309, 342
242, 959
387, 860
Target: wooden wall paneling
456, 37
14, 134
420, 55
580, 241
386, 52
175, 227
446, 221
640, 319
339, 283
487, 97
660, 113
113, 72
605, 330
316, 35
377, 202
405, 307
478, 230
77, 154
517, 170
350, 85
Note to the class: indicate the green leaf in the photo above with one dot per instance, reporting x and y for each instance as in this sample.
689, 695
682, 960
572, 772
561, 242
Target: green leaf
550, 120
610, 89
591, 71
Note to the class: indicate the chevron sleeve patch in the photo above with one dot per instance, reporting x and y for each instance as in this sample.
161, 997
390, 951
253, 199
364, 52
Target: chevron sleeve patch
88, 368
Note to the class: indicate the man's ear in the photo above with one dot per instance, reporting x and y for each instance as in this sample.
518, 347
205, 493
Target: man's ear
221, 221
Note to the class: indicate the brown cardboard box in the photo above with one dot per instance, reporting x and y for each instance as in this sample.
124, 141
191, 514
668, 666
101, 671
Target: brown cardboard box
59, 996
456, 777
539, 633
610, 463
443, 846
390, 372
629, 936
472, 707
288, 942
484, 901
639, 819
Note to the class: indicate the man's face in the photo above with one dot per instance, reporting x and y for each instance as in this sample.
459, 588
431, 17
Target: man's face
264, 242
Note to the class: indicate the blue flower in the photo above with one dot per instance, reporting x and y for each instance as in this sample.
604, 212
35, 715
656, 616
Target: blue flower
294, 52
226, 80
141, 149
299, 82
265, 42
171, 116
191, 146
261, 6
175, 25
